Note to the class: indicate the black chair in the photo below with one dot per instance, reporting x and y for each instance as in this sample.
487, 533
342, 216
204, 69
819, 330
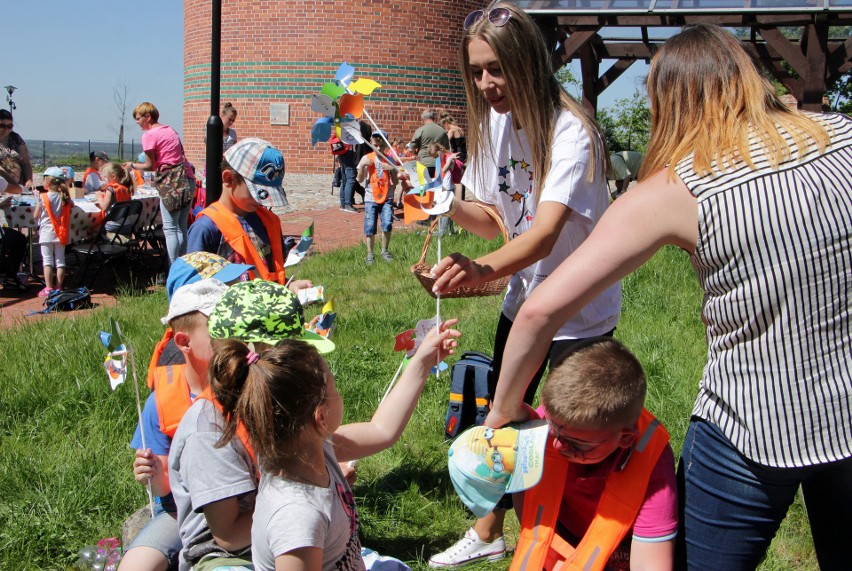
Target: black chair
116, 239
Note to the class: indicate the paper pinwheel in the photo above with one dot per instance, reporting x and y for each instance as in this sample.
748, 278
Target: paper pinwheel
428, 197
325, 325
115, 362
342, 116
300, 250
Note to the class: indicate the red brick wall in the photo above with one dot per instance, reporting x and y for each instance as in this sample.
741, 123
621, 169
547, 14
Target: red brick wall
277, 51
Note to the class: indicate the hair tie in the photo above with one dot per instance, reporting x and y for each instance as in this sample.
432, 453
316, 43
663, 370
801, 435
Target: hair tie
252, 357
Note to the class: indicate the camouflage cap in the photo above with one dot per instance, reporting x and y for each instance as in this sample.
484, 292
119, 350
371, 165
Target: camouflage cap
261, 311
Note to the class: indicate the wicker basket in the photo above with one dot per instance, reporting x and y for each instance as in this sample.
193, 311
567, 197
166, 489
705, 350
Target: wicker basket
423, 271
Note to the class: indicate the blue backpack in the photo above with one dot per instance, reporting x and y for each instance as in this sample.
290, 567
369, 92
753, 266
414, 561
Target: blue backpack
67, 300
469, 394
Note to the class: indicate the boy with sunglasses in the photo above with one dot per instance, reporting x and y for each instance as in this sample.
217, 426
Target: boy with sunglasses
606, 459
238, 227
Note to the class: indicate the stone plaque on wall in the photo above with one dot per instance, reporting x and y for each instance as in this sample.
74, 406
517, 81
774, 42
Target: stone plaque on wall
279, 113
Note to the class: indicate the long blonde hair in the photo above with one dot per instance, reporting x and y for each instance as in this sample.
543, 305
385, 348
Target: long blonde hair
534, 93
707, 97
59, 185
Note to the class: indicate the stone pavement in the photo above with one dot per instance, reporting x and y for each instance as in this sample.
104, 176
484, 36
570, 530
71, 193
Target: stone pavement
310, 200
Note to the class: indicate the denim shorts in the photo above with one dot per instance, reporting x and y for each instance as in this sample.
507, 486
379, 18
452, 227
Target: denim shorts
161, 533
372, 212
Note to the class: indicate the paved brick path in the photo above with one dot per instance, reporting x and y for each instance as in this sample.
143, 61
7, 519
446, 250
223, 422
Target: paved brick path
310, 200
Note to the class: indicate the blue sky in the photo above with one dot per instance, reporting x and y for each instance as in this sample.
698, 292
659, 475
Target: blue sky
66, 57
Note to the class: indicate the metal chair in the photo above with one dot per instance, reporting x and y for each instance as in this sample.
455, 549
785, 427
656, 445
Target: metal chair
116, 239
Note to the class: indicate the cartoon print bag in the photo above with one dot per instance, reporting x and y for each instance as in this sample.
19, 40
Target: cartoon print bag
174, 186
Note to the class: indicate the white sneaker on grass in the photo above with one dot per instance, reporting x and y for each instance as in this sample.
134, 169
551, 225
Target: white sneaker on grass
467, 550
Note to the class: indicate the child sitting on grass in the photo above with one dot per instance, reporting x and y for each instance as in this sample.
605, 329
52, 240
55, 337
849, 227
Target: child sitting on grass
214, 485
175, 388
53, 212
291, 409
606, 459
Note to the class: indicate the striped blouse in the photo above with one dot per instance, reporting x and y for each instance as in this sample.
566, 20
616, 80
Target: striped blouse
774, 257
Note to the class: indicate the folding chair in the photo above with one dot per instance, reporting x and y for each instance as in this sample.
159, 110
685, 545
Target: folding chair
115, 239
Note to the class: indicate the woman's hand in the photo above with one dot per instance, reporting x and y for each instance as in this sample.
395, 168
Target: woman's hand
457, 270
522, 413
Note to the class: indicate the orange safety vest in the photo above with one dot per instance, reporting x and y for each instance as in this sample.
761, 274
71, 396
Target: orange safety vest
379, 186
236, 237
242, 433
172, 395
539, 546
155, 358
120, 191
61, 226
89, 171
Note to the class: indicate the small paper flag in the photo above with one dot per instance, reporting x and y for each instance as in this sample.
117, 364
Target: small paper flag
404, 341
329, 306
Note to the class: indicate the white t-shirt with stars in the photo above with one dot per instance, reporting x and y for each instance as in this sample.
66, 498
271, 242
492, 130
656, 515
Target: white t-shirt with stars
504, 179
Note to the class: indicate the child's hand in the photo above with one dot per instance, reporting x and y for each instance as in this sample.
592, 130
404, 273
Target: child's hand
296, 285
436, 347
146, 465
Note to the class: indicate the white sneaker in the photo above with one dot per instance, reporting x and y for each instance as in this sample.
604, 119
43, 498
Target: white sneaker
467, 550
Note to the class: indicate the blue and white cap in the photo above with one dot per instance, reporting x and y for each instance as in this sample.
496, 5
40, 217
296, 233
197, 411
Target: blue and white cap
262, 165
69, 172
55, 172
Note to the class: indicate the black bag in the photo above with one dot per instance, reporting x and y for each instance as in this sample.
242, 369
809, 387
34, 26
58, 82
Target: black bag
67, 300
469, 395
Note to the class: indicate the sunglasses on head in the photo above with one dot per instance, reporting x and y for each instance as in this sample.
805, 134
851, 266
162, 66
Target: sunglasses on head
6, 125
497, 16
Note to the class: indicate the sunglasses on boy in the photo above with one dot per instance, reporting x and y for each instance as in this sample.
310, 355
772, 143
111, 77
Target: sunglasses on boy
497, 16
6, 125
575, 447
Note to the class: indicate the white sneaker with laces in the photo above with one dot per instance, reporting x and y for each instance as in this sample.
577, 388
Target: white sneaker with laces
467, 550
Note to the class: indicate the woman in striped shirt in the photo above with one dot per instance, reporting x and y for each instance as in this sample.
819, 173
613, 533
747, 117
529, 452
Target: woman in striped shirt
759, 195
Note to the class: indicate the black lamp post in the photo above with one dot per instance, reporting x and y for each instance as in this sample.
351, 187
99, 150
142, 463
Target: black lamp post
10, 89
214, 122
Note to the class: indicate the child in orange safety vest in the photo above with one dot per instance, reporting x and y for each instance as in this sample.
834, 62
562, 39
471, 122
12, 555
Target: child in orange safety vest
175, 388
593, 477
238, 227
53, 212
378, 196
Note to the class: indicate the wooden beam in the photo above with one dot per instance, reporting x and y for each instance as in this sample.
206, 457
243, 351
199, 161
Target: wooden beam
612, 74
589, 74
839, 58
814, 41
792, 54
577, 40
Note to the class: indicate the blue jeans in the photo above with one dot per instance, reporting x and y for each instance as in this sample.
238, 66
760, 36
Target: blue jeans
174, 228
161, 533
732, 507
347, 169
372, 212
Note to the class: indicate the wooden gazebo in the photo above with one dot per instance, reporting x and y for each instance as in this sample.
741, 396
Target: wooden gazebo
802, 33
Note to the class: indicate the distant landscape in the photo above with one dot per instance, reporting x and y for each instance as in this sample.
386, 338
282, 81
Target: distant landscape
76, 153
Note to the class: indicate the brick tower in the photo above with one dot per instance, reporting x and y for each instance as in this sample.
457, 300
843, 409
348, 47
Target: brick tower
277, 53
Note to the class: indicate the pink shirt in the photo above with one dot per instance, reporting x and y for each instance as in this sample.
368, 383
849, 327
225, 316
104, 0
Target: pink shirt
165, 143
657, 518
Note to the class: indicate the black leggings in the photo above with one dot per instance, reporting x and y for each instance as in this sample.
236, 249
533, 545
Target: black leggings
13, 248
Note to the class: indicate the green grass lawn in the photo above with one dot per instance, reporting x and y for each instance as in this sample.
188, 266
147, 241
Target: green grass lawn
65, 465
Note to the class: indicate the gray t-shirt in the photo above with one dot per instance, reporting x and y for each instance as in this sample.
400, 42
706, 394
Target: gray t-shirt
291, 515
429, 133
201, 474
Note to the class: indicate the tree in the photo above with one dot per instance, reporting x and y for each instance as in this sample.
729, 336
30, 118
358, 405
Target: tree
119, 98
627, 124
567, 79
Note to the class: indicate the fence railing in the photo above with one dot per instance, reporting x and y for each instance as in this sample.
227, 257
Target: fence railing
44, 153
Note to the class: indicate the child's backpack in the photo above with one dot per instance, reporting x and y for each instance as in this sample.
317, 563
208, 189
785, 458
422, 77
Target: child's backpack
469, 395
337, 146
67, 300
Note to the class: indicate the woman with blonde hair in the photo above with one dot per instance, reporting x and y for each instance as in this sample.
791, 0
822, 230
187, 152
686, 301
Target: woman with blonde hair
540, 160
758, 195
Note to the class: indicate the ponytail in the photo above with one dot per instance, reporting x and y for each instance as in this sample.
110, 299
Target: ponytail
273, 396
59, 185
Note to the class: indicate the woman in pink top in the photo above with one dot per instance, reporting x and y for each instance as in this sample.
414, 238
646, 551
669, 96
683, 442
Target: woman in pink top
162, 146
